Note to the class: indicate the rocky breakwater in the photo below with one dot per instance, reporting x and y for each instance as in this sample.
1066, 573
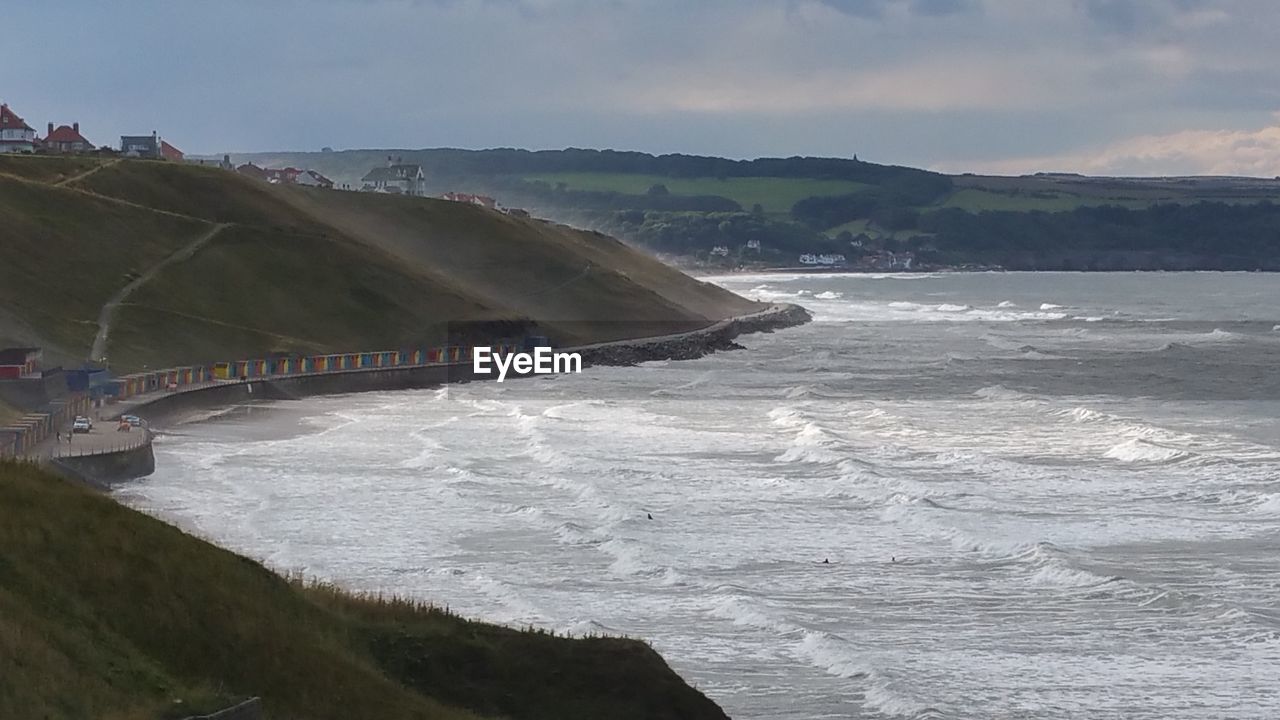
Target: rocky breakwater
694, 344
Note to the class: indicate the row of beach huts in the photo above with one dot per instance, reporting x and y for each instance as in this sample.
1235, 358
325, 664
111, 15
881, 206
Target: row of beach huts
76, 392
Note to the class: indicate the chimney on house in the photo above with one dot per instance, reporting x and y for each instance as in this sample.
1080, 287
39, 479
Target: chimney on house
76, 127
50, 130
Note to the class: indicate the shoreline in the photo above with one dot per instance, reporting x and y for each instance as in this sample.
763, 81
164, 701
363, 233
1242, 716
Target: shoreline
178, 407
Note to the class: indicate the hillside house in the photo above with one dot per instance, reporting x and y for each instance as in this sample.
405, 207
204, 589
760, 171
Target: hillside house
311, 178
18, 363
823, 259
396, 177
169, 152
66, 139
16, 136
253, 171
481, 200
143, 146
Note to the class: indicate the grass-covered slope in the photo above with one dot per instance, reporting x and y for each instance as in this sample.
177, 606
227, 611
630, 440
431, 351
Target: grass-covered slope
550, 272
108, 613
64, 253
298, 269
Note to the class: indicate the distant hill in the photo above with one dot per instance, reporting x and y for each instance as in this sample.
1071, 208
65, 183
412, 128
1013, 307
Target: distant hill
108, 613
226, 267
769, 210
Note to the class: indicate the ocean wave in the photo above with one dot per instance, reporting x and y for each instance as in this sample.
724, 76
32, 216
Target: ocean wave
1050, 306
810, 442
1004, 394
880, 693
743, 612
587, 628
1006, 304
1136, 450
1052, 569
829, 295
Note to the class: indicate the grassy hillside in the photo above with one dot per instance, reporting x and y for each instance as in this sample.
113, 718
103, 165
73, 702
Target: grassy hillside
775, 195
298, 269
809, 204
107, 613
47, 169
64, 253
566, 278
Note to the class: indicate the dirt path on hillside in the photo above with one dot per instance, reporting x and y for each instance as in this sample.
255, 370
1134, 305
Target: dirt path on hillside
108, 310
86, 173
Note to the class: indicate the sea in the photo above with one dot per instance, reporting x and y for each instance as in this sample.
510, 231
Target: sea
961, 495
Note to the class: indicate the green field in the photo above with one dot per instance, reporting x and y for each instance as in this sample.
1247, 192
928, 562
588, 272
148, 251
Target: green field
108, 613
775, 195
855, 227
978, 200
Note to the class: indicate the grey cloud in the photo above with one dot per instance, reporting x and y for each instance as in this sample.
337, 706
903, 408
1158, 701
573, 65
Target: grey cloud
1131, 17
877, 8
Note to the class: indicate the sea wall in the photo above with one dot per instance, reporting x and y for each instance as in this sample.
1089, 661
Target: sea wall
684, 346
688, 346
101, 470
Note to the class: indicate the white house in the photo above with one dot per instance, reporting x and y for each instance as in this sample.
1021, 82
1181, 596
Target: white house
401, 178
16, 136
312, 178
811, 259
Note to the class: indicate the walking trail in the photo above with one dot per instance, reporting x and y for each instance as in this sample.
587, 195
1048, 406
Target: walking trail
86, 173
109, 309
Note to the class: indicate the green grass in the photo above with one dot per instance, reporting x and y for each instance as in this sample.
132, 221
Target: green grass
108, 613
47, 169
978, 200
856, 227
302, 269
775, 195
199, 191
64, 253
356, 300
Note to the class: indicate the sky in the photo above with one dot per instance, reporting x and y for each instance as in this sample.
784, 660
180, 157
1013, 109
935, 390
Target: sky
1120, 87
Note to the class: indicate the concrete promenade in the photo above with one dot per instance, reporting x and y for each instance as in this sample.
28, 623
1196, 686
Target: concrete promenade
104, 438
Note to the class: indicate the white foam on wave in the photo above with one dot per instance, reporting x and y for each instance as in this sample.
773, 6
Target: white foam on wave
1054, 571
829, 295
881, 694
796, 392
948, 307
1050, 306
1006, 304
811, 443
1268, 504
1137, 450
743, 612
1004, 394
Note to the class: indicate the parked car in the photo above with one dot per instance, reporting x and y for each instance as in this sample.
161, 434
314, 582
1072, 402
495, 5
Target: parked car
81, 425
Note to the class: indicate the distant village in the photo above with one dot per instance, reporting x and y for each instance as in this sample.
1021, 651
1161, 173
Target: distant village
396, 177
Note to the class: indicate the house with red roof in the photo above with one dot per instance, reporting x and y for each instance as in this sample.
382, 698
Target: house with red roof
15, 134
66, 139
169, 152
